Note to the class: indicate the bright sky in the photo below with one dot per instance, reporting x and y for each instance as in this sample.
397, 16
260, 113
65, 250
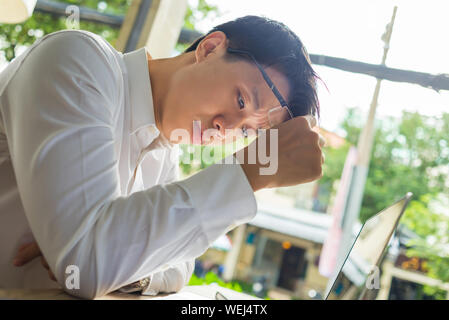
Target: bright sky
353, 30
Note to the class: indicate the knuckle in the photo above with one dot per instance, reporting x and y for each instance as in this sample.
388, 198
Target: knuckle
317, 152
322, 140
301, 122
318, 172
317, 169
314, 136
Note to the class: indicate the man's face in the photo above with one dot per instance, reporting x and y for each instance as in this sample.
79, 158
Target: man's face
219, 94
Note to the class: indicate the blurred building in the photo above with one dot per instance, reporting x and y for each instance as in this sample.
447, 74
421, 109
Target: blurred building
401, 277
280, 249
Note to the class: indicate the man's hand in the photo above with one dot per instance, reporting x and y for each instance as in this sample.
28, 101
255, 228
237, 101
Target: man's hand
299, 156
28, 252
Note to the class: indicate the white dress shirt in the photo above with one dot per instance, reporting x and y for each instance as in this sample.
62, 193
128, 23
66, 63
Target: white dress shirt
85, 172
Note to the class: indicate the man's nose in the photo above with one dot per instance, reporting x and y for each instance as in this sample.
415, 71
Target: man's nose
227, 127
219, 124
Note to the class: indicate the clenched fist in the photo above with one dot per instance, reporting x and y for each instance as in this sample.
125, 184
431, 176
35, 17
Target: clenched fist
299, 155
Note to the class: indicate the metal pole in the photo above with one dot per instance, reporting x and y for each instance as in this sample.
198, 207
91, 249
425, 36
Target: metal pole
434, 81
59, 9
138, 23
232, 257
360, 171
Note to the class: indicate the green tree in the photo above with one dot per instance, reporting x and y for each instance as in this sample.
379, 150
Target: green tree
432, 242
409, 154
15, 36
196, 13
332, 169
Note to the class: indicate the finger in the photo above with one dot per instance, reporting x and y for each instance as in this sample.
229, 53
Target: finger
321, 141
23, 246
44, 263
51, 275
323, 158
46, 266
27, 254
311, 119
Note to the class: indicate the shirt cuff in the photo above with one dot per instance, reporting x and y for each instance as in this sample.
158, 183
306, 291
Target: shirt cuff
223, 197
154, 286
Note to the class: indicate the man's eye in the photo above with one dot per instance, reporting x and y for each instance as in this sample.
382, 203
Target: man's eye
241, 102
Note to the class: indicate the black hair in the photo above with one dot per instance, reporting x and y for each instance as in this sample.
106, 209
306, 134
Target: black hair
273, 44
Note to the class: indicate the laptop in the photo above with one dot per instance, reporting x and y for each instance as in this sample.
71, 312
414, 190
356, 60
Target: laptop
358, 276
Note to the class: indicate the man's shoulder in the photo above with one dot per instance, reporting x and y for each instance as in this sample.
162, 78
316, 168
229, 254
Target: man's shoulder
78, 40
81, 53
75, 57
73, 33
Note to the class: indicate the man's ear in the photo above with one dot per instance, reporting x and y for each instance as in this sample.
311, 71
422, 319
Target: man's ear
214, 43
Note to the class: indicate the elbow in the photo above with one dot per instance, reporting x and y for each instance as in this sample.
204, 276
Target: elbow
85, 295
83, 281
88, 290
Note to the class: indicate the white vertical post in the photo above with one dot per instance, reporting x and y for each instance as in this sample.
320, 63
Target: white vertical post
155, 24
360, 172
166, 28
233, 255
385, 281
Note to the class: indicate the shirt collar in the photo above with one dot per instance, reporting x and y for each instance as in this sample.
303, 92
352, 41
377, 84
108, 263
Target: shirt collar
141, 99
140, 95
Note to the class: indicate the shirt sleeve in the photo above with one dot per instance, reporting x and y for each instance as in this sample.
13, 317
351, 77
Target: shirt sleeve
175, 277
59, 124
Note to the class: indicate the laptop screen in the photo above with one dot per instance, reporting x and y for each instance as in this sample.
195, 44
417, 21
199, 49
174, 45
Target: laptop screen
358, 277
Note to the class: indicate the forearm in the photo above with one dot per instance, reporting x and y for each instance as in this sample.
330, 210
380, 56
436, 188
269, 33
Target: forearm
164, 225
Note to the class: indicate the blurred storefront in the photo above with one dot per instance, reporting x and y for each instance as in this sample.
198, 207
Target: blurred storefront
400, 277
280, 251
403, 277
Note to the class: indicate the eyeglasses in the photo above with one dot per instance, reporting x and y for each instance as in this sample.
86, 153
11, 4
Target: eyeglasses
276, 115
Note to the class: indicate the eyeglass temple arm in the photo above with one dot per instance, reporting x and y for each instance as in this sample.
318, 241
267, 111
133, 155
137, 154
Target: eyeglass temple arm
266, 77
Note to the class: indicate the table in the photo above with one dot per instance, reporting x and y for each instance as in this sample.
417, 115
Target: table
203, 292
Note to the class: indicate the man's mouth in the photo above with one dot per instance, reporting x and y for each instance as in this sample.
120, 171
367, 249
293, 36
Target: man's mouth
200, 136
